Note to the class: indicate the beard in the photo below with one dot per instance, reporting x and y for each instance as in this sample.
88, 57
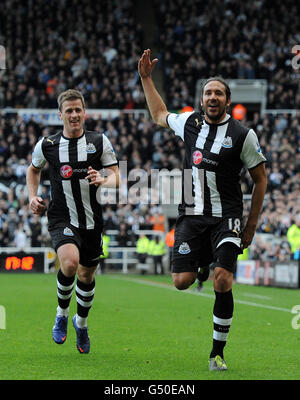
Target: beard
215, 116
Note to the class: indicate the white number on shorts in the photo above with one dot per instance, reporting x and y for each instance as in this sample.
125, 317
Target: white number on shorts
234, 225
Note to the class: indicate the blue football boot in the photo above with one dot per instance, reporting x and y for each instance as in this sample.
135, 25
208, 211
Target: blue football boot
59, 332
83, 340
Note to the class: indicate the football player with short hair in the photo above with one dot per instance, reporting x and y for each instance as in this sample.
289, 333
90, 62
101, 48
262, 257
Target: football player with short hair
75, 157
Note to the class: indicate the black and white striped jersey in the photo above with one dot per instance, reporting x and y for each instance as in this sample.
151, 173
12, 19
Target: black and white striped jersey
214, 157
73, 200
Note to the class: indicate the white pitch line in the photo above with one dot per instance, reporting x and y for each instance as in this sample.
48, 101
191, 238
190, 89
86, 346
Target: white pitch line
195, 293
247, 294
256, 296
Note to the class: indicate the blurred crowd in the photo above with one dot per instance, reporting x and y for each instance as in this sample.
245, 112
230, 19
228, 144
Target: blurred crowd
197, 39
236, 39
58, 44
145, 147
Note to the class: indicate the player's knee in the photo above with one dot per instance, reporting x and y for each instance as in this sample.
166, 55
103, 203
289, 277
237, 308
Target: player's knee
225, 264
181, 284
69, 266
222, 279
68, 255
183, 280
86, 275
227, 255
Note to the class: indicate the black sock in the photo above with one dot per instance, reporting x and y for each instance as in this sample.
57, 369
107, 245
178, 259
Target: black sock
84, 297
64, 289
222, 318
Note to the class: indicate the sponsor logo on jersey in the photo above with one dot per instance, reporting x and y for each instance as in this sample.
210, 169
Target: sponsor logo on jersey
66, 171
184, 248
68, 232
227, 142
197, 157
80, 170
211, 162
90, 148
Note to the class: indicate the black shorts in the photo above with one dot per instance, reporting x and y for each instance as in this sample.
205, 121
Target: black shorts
88, 241
197, 239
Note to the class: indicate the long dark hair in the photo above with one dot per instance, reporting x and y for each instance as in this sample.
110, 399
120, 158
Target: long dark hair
219, 79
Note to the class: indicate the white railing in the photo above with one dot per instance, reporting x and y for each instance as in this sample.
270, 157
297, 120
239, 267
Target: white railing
125, 259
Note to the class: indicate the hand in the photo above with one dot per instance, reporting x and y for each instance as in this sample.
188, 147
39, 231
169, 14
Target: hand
247, 235
37, 205
146, 66
94, 177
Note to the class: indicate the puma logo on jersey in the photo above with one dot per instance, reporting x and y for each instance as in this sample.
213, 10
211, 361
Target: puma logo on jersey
51, 141
197, 122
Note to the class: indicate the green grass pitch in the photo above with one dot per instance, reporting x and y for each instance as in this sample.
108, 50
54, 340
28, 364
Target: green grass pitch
141, 328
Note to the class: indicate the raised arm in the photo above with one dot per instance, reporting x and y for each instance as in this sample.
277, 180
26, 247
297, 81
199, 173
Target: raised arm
157, 107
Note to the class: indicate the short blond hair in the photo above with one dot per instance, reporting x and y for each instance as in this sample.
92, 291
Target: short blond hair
70, 94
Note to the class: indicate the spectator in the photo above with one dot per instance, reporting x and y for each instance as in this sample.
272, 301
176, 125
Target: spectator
156, 250
170, 239
4, 235
293, 235
105, 249
122, 241
142, 246
36, 231
12, 224
20, 237
158, 222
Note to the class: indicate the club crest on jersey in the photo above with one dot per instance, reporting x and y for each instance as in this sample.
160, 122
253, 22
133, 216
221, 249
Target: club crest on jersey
68, 232
90, 148
197, 157
184, 248
66, 171
227, 142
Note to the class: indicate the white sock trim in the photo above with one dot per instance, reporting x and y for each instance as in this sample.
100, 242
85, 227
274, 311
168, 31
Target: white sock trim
81, 322
62, 312
221, 336
222, 321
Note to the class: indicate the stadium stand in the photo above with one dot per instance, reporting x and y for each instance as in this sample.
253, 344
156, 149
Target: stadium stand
235, 39
45, 55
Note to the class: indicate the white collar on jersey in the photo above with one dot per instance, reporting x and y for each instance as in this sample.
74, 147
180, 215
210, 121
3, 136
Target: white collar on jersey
226, 118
